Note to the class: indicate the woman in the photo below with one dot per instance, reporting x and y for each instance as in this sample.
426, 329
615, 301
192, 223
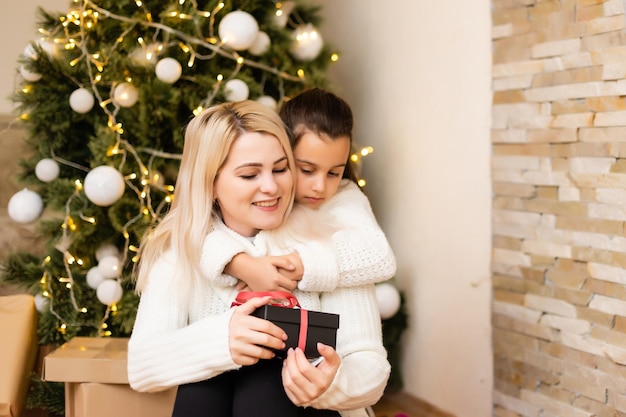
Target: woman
237, 175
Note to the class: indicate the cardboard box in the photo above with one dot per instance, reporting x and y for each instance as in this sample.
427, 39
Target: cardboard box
320, 327
18, 322
96, 381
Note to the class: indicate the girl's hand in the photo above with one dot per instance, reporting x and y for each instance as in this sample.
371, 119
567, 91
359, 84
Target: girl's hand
252, 338
304, 382
268, 273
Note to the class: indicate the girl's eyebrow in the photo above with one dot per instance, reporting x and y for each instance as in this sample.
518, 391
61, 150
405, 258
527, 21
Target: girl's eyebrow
304, 161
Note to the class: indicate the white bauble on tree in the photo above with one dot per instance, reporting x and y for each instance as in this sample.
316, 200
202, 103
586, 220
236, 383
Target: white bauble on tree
104, 185
147, 55
94, 277
282, 14
47, 170
388, 298
168, 70
106, 249
25, 206
238, 30
306, 43
29, 76
236, 90
109, 266
81, 100
41, 302
268, 101
125, 95
109, 292
261, 44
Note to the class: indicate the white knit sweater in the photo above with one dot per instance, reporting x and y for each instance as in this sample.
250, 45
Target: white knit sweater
355, 252
174, 344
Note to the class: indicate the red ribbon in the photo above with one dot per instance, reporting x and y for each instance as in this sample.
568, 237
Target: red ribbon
304, 326
280, 299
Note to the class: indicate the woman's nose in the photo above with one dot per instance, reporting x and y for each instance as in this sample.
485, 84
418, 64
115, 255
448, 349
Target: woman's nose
268, 184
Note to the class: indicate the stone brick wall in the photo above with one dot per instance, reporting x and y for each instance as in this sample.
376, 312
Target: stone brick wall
559, 180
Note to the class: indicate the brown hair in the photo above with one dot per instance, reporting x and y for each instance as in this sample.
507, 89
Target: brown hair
323, 113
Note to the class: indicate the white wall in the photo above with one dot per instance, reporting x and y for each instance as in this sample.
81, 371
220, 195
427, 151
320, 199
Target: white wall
417, 73
17, 28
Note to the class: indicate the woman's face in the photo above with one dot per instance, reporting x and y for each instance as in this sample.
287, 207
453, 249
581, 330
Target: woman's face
254, 185
320, 162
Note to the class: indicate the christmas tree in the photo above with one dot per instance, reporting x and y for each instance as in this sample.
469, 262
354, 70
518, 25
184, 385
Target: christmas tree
106, 91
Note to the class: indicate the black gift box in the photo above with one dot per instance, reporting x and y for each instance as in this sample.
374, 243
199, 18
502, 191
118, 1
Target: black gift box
322, 327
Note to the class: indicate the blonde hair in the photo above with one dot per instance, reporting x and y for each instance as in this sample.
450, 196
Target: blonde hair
208, 139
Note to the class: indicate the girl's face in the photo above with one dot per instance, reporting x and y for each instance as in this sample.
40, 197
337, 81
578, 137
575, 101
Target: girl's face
254, 185
320, 162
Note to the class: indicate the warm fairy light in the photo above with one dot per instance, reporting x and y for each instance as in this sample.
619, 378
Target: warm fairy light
367, 151
220, 77
354, 157
62, 328
83, 310
301, 73
361, 183
240, 60
334, 57
24, 116
78, 185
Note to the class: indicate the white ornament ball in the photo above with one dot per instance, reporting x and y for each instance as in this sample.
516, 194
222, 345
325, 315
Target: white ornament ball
236, 90
261, 44
306, 43
47, 170
81, 100
238, 30
109, 292
168, 70
49, 47
29, 76
109, 266
106, 249
41, 302
282, 14
268, 101
94, 277
25, 206
125, 95
104, 185
147, 55
29, 52
388, 298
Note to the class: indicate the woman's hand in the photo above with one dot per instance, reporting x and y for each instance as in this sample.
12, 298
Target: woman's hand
304, 382
252, 338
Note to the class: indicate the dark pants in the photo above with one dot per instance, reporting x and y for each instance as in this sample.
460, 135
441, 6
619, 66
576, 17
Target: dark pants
252, 391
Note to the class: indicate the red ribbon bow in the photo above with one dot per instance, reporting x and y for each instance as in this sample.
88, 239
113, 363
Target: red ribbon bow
279, 299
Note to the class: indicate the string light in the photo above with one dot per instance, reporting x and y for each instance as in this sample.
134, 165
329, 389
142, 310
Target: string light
72, 36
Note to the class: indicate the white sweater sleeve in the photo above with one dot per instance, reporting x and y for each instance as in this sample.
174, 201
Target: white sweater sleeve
362, 376
164, 351
219, 247
360, 249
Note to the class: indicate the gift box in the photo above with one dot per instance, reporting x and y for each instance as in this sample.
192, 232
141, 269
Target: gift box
304, 328
18, 322
96, 380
